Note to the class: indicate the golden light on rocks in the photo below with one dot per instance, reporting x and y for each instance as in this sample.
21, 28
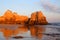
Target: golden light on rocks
38, 18
10, 17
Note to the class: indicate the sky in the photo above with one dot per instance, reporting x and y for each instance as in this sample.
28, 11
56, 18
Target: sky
50, 8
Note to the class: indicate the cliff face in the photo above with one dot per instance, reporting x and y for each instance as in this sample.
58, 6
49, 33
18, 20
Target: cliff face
38, 18
10, 17
20, 19
2, 19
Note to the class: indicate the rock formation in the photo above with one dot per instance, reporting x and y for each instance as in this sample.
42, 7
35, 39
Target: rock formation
20, 19
38, 18
2, 20
10, 17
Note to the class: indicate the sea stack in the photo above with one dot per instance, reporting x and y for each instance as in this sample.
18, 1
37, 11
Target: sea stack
38, 18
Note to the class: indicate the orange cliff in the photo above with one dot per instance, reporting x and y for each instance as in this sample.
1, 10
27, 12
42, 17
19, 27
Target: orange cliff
10, 17
2, 20
20, 19
38, 18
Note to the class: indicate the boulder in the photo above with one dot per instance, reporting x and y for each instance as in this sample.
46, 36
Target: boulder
38, 18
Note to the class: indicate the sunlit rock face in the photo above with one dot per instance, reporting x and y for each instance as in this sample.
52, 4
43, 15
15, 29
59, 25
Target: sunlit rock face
9, 17
38, 18
2, 20
20, 19
17, 19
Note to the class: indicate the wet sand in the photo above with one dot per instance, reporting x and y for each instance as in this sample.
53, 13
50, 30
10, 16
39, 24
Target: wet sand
23, 32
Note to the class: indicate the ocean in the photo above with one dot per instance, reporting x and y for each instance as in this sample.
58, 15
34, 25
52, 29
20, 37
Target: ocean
34, 32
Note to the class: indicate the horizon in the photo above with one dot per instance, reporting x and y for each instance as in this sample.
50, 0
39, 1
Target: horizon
50, 8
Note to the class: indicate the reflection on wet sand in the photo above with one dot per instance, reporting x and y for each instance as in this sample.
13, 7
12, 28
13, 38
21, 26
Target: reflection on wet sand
9, 32
34, 31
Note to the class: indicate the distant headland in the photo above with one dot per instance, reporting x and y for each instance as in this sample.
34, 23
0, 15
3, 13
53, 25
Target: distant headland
10, 17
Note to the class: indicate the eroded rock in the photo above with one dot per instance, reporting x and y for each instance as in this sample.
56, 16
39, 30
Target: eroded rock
10, 17
38, 18
20, 19
2, 20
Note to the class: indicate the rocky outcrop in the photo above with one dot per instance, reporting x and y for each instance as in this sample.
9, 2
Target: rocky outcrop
20, 19
10, 17
38, 18
2, 20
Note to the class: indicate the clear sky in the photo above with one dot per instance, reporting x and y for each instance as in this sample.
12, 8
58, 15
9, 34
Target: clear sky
50, 8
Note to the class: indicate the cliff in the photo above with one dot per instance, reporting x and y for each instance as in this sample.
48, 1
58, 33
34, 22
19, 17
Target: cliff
10, 17
38, 18
19, 19
2, 20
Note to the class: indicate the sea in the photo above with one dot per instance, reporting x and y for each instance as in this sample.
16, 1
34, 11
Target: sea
50, 31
